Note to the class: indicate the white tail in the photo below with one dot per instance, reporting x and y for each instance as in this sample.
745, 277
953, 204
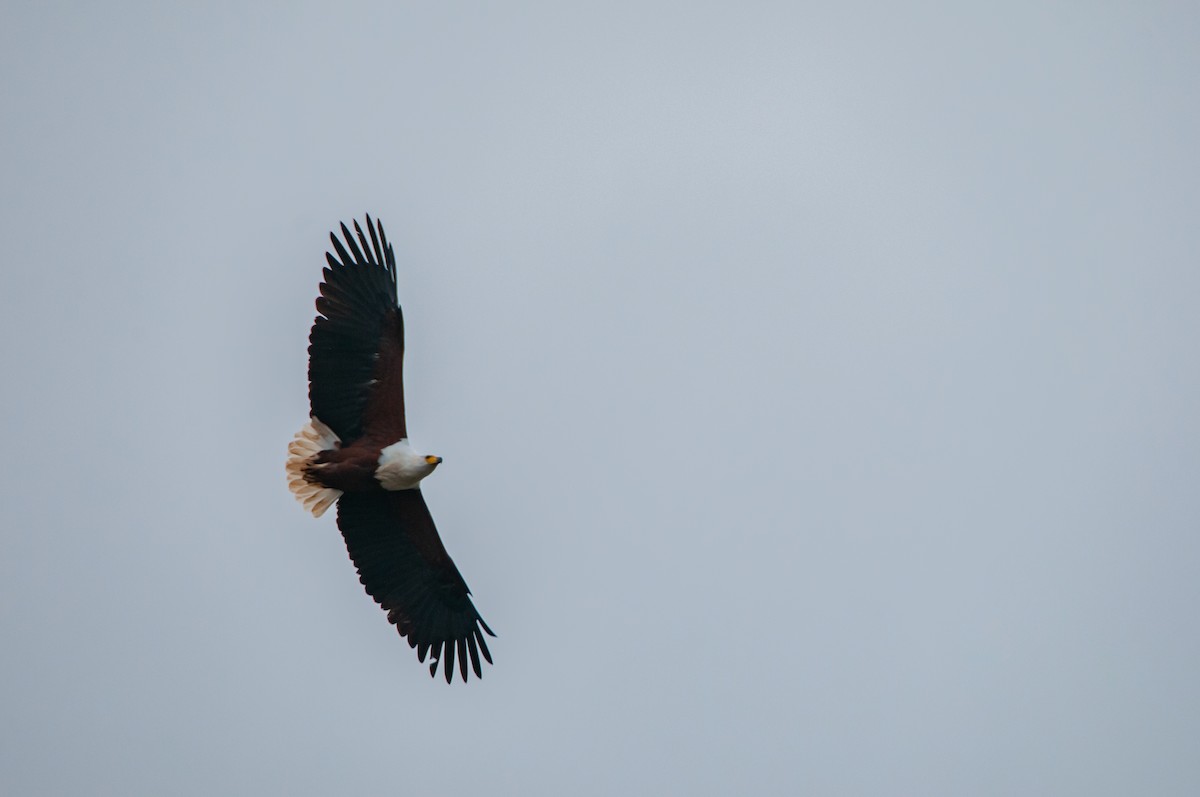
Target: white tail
311, 440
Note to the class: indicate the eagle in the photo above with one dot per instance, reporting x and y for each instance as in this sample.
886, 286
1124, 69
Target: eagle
354, 451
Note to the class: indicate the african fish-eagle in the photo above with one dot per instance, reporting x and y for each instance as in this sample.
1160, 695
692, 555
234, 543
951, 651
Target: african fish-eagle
355, 451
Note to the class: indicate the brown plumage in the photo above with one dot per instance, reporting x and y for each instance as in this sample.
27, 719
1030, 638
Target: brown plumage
354, 451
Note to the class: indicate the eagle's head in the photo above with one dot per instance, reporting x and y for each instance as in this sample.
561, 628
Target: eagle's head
401, 467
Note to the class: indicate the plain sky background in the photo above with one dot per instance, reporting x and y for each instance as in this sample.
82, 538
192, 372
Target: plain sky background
817, 383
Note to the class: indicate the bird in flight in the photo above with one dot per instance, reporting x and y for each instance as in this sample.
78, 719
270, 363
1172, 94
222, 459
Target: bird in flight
354, 452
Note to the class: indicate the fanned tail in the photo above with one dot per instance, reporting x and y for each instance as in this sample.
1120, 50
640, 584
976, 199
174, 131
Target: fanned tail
310, 441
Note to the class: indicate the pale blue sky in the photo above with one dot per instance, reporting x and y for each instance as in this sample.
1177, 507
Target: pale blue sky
817, 384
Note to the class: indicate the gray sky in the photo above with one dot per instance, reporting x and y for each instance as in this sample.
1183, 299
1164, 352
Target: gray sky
817, 386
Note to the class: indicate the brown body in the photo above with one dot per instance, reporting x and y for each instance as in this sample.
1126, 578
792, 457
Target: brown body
350, 469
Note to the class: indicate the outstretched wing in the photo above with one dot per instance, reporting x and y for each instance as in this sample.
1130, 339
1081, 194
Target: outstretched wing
356, 348
404, 567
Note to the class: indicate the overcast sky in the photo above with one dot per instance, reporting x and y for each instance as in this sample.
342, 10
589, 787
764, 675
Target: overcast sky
817, 385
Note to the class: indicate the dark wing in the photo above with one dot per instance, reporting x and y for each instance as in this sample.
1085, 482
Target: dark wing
402, 563
356, 348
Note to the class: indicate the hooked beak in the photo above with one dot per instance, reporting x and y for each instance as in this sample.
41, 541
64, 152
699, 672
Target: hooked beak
432, 460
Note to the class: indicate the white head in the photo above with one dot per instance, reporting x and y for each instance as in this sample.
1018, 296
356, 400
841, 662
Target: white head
402, 468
